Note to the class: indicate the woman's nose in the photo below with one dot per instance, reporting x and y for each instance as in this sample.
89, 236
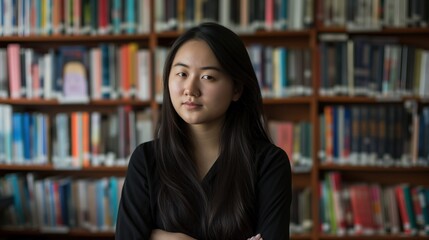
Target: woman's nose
192, 88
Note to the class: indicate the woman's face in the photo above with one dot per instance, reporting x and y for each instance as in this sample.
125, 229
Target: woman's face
200, 90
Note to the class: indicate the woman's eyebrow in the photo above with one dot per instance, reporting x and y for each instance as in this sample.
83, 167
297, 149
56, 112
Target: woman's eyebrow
179, 64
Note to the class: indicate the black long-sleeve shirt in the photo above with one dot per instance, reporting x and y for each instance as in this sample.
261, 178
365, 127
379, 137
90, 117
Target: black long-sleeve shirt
138, 206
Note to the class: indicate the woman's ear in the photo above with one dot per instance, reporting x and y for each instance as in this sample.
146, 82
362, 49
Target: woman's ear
237, 93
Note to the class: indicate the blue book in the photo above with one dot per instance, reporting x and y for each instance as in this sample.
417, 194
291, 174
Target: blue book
1, 17
116, 16
12, 180
17, 141
113, 192
131, 19
410, 209
283, 70
34, 132
38, 16
26, 136
44, 142
105, 69
65, 200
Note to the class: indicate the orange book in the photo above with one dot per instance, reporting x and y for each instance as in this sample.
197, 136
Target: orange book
75, 139
328, 111
125, 75
85, 139
132, 60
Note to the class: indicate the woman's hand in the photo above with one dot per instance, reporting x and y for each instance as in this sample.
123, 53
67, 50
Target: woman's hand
158, 234
257, 237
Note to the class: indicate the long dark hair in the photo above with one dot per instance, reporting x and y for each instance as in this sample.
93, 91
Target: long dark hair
226, 211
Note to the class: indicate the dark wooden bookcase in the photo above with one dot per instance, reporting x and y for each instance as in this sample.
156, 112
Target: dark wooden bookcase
291, 109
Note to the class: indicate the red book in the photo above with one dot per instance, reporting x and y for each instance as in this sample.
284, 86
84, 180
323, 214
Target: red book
403, 209
14, 70
269, 14
103, 8
357, 216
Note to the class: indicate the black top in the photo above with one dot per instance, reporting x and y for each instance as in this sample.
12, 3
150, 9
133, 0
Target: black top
138, 206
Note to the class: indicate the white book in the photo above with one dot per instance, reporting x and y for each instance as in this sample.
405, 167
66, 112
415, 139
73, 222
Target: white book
47, 75
28, 76
95, 137
224, 7
145, 14
143, 61
40, 203
160, 24
82, 207
8, 15
144, 126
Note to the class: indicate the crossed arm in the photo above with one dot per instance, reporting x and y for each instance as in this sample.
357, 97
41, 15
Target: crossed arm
158, 234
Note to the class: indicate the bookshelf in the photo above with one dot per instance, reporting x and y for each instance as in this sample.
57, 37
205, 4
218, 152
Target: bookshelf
296, 107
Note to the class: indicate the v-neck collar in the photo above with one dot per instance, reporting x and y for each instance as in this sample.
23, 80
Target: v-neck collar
211, 173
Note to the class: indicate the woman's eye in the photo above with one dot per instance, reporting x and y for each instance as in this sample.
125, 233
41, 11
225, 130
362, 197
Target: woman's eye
207, 77
181, 74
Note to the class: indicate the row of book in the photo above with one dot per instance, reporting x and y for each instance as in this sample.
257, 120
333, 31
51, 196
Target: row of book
374, 14
281, 72
374, 135
367, 209
372, 67
58, 204
241, 16
301, 211
79, 139
295, 139
75, 73
74, 17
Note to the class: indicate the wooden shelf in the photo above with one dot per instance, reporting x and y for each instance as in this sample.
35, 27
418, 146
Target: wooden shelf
43, 102
90, 235
257, 34
375, 237
72, 234
392, 169
300, 236
51, 170
75, 39
299, 39
291, 100
382, 32
368, 100
301, 180
358, 99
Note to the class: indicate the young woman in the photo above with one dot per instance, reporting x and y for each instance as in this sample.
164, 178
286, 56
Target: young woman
212, 172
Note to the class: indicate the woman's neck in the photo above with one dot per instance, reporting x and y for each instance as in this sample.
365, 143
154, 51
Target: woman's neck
206, 145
